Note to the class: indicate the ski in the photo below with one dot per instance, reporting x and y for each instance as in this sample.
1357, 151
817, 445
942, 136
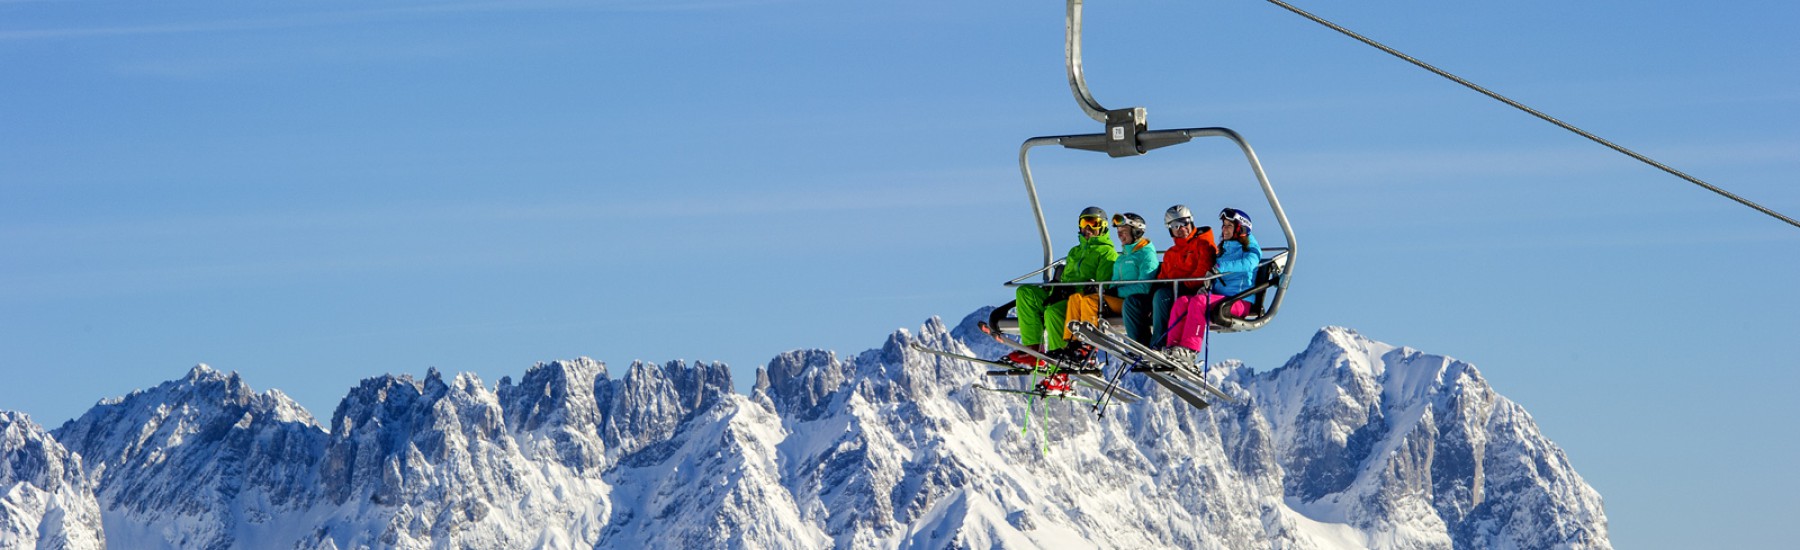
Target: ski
1198, 380
1126, 347
1128, 362
1038, 394
1060, 366
1090, 376
1180, 390
1009, 369
1184, 372
1135, 363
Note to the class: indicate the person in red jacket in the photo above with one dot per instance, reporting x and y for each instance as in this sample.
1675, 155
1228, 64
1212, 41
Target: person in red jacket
1191, 257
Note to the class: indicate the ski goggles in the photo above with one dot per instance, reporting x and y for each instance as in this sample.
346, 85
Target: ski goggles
1180, 223
1119, 220
1236, 216
1093, 222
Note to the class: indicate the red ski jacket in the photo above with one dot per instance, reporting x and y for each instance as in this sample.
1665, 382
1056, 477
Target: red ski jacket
1192, 257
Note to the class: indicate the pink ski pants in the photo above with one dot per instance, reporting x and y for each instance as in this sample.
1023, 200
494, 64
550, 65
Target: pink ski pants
1187, 319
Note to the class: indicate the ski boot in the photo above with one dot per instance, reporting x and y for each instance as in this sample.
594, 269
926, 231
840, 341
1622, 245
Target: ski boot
1078, 355
1180, 355
1057, 385
1025, 360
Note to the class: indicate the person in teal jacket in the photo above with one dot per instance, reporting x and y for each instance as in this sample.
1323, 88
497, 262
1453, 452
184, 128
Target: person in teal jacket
1039, 308
1137, 261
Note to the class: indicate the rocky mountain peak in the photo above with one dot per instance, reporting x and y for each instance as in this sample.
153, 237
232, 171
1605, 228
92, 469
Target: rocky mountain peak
247, 443
1359, 423
47, 500
800, 382
650, 401
558, 403
32, 456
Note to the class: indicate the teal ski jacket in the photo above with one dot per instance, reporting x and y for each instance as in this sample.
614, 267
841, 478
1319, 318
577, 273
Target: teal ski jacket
1137, 262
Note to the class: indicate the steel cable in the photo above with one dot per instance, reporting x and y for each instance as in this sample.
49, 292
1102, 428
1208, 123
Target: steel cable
1534, 112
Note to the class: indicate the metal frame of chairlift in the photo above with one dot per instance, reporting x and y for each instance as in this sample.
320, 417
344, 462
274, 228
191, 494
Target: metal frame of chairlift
1126, 135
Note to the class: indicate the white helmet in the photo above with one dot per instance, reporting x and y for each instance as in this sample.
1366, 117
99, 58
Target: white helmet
1132, 221
1178, 212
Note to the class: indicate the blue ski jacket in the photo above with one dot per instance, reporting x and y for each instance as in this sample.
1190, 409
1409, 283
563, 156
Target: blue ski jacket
1138, 262
1237, 265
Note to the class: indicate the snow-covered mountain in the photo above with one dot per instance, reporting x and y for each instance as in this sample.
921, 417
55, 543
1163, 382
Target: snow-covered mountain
1351, 444
47, 501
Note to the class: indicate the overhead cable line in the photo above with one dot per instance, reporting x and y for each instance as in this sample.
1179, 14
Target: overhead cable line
1534, 112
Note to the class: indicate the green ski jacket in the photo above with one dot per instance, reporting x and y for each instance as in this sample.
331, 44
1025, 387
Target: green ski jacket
1092, 260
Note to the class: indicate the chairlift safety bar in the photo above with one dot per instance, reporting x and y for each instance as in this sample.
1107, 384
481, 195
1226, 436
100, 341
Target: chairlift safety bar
1020, 280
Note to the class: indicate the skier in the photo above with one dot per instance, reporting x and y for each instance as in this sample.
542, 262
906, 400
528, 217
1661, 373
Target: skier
1137, 261
1086, 304
1236, 263
1037, 308
1191, 257
1239, 255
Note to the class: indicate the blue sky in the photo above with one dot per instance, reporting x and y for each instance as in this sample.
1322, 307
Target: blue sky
313, 193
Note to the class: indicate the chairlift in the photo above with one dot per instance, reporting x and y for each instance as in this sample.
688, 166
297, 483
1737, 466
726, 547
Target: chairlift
1127, 134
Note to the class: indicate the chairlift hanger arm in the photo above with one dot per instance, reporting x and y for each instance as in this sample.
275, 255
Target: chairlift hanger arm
1072, 50
1122, 125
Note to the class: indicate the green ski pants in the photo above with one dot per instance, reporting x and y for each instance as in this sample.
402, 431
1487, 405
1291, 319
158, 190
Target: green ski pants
1034, 315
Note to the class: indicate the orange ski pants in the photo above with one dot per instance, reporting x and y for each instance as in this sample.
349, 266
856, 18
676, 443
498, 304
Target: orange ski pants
1086, 307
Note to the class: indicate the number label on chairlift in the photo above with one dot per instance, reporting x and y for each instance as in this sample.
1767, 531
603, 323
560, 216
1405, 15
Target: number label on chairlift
1118, 133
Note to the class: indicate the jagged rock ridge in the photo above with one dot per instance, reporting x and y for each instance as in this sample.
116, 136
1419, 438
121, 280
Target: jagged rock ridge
46, 500
1352, 443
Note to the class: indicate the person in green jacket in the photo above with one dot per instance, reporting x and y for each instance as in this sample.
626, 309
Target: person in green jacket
1137, 261
1039, 308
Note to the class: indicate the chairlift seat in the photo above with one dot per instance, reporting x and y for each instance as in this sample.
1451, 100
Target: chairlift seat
1268, 277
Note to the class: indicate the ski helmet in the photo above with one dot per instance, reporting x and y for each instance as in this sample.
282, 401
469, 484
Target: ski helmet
1132, 221
1236, 216
1093, 217
1177, 213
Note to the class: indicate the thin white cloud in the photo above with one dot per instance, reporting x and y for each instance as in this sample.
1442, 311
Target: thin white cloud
212, 63
331, 18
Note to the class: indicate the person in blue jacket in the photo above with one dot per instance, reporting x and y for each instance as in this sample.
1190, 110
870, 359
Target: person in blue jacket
1137, 261
1239, 254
